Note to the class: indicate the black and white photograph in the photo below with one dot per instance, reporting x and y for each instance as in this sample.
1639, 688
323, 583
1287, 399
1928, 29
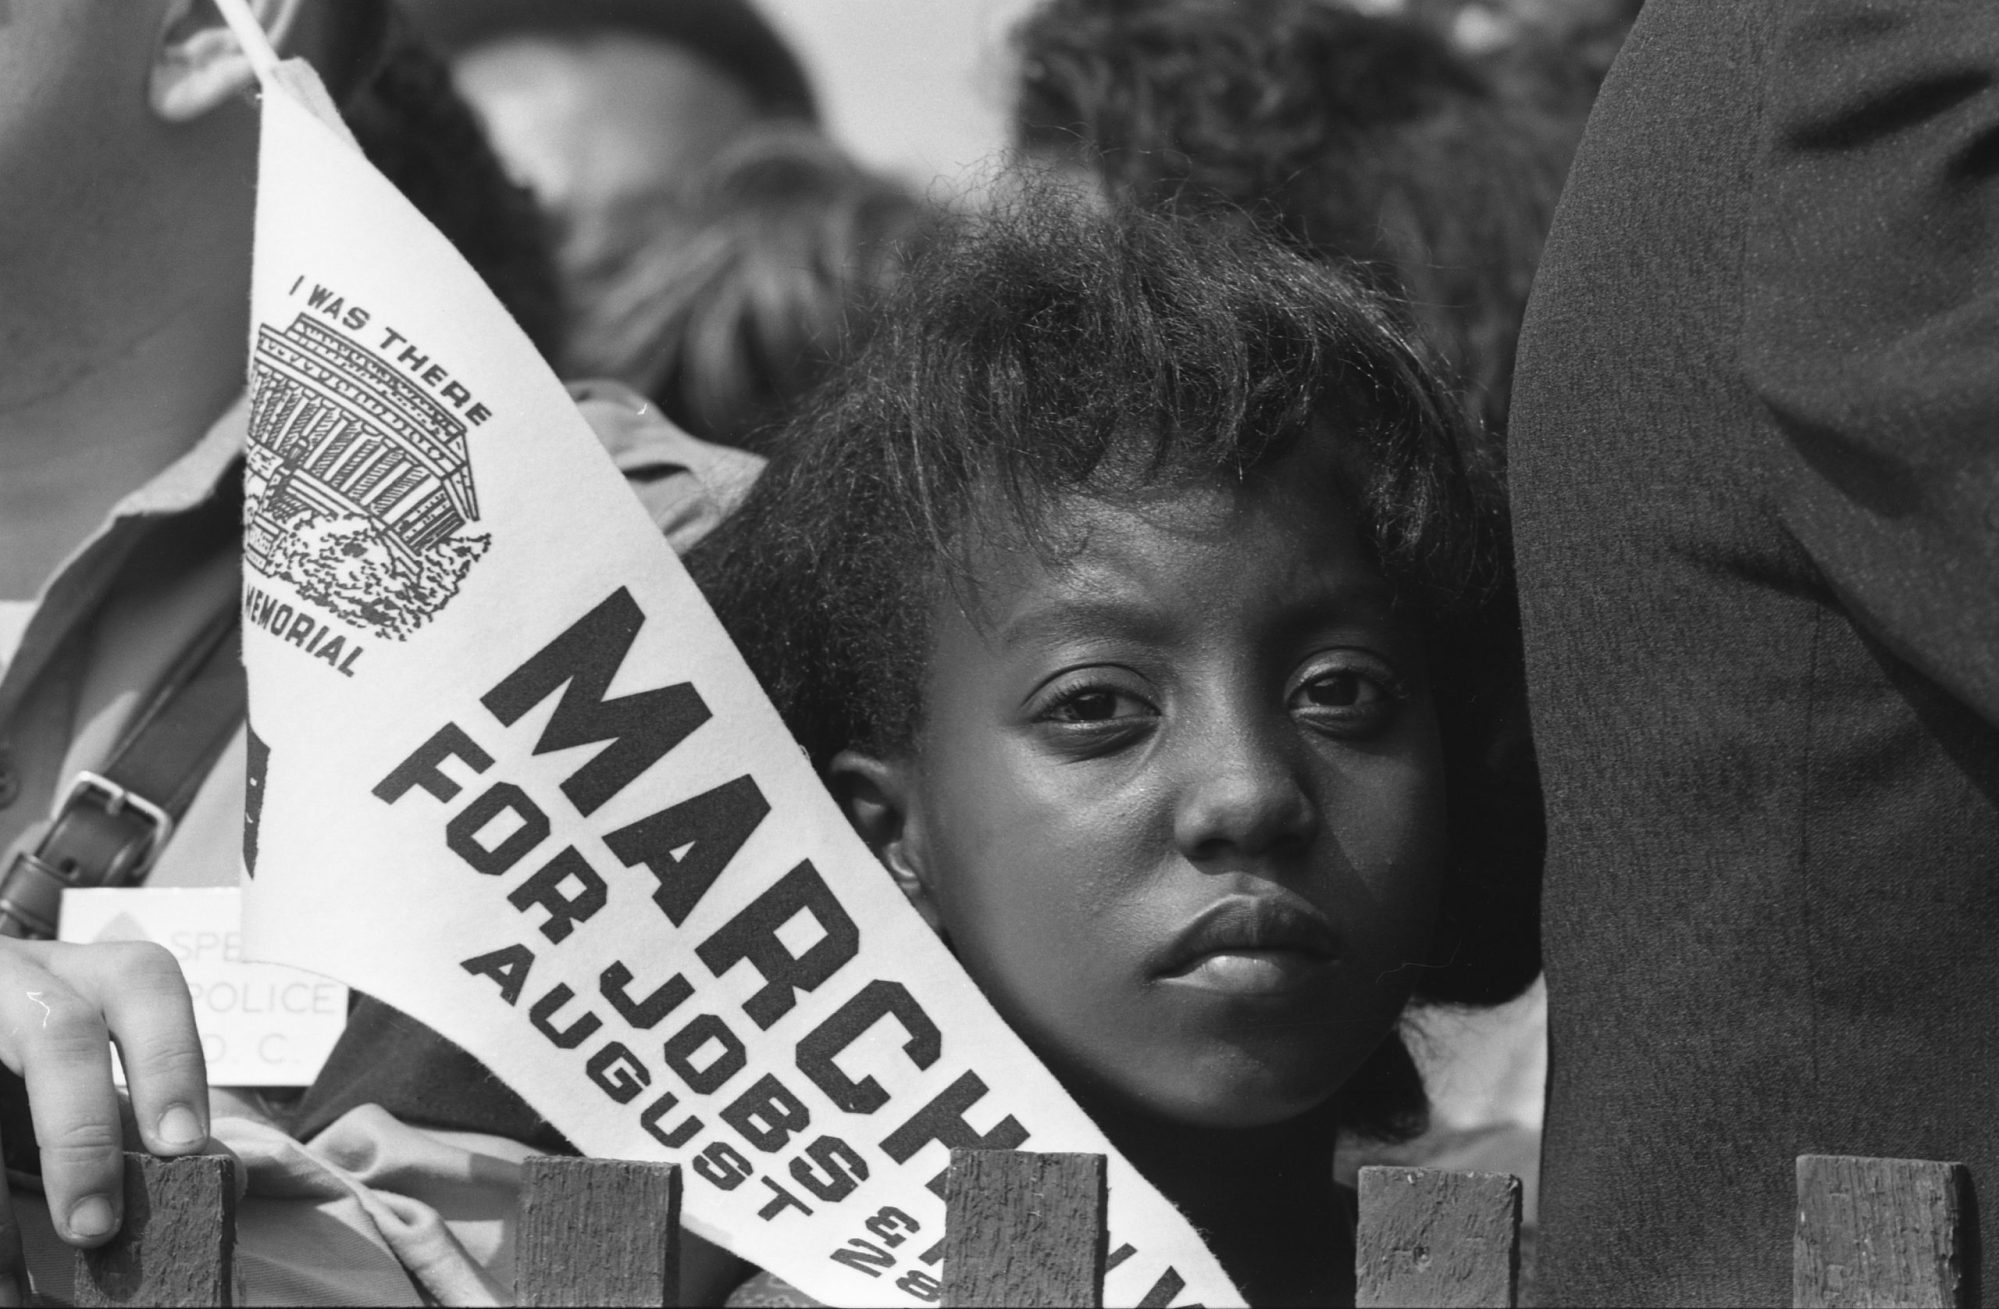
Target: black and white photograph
1158, 653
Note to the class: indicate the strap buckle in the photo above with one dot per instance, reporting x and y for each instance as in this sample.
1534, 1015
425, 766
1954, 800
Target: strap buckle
115, 800
103, 834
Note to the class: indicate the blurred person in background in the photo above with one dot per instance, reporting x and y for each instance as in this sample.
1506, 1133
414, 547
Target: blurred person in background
594, 104
725, 298
1360, 136
591, 100
416, 128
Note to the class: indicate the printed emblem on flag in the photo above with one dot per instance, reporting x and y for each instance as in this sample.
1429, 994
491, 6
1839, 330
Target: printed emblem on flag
359, 483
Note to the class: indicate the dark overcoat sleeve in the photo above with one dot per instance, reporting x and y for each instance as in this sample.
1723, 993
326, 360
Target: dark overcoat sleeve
1871, 328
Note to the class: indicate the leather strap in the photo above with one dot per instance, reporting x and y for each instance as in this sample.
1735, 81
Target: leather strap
112, 823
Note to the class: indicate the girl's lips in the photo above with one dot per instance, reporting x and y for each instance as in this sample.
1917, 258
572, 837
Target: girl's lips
1252, 972
1250, 945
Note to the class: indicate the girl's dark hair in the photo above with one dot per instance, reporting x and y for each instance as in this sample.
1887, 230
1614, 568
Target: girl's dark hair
1045, 350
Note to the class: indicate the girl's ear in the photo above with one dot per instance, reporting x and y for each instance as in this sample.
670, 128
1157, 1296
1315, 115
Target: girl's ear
880, 801
199, 64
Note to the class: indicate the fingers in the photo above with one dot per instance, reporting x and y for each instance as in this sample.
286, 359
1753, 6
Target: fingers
60, 1005
151, 1016
59, 1044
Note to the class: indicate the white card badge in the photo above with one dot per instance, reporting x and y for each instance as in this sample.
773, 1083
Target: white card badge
260, 1024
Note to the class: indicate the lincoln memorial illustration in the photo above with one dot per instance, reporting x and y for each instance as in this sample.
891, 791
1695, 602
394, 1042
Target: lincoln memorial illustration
357, 480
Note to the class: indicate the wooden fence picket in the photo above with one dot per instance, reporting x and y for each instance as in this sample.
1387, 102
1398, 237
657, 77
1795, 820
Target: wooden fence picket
597, 1232
1432, 1237
1878, 1232
177, 1245
1024, 1229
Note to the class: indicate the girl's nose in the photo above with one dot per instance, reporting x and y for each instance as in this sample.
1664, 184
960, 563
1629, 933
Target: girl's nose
1245, 795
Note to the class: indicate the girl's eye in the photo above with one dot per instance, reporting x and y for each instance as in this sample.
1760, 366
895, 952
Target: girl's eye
1096, 704
1341, 690
1093, 715
1088, 706
1347, 699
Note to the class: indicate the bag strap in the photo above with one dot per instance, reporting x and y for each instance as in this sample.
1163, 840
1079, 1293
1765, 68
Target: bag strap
112, 823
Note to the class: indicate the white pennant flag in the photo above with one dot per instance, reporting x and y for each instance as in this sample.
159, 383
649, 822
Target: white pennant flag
509, 775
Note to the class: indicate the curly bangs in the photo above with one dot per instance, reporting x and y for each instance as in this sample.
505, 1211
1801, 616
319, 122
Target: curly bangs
1051, 349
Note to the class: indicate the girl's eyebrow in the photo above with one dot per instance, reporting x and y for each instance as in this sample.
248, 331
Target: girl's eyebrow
1369, 600
1060, 620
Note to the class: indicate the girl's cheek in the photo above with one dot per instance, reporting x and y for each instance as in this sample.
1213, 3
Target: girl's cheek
1396, 812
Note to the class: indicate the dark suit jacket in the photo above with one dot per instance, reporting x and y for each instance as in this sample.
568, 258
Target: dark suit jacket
1756, 470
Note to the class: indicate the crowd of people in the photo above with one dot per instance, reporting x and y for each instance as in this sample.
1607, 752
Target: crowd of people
1268, 505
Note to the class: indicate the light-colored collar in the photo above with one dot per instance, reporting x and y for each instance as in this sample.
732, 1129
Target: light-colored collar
191, 479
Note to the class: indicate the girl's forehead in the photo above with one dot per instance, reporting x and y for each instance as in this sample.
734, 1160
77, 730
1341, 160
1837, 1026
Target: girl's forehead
1220, 543
1128, 497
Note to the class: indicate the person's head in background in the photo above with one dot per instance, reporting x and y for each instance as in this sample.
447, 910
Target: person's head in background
593, 102
724, 299
128, 158
415, 125
1361, 136
127, 170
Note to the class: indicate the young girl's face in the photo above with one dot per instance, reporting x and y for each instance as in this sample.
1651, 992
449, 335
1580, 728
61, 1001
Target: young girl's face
1177, 801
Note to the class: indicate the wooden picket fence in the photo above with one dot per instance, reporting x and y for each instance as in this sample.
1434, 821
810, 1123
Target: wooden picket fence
1028, 1229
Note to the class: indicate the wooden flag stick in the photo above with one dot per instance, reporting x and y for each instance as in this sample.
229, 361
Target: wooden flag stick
1431, 1237
177, 1245
597, 1232
1023, 1229
1881, 1232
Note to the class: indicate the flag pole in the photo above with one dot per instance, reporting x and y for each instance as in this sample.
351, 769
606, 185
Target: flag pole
250, 35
